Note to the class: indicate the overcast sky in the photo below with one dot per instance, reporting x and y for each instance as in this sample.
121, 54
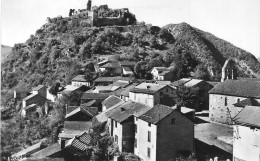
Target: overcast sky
237, 21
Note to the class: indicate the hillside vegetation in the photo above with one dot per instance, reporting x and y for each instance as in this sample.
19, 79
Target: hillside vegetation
66, 47
5, 50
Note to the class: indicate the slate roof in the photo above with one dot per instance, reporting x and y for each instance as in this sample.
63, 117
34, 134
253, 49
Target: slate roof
112, 79
180, 82
91, 111
163, 73
241, 88
148, 88
32, 96
249, 116
157, 113
70, 88
127, 63
30, 106
88, 104
126, 91
27, 150
247, 102
46, 152
106, 88
75, 128
120, 84
164, 82
127, 109
193, 82
80, 78
38, 87
94, 96
111, 101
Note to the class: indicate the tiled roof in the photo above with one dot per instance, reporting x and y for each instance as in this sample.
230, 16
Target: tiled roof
127, 63
27, 150
180, 82
102, 117
88, 104
120, 84
76, 144
241, 88
249, 116
106, 88
127, 109
111, 65
86, 110
155, 114
95, 96
113, 79
126, 91
164, 82
193, 82
80, 78
85, 138
111, 101
38, 87
148, 88
70, 88
46, 152
247, 102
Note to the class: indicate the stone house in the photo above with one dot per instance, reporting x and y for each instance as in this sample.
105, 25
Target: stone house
121, 124
124, 95
246, 134
162, 73
80, 80
34, 99
152, 94
162, 133
127, 67
98, 97
226, 97
29, 109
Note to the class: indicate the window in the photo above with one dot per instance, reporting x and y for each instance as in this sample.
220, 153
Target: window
148, 152
116, 138
135, 128
149, 136
238, 100
115, 124
124, 142
149, 124
135, 143
173, 120
225, 101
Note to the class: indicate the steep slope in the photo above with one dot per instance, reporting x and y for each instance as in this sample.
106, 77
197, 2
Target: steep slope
214, 51
5, 51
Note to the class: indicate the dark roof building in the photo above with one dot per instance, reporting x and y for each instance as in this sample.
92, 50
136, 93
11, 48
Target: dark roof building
249, 116
155, 114
80, 78
241, 88
111, 101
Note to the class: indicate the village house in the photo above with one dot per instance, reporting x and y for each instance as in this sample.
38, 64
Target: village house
98, 97
104, 89
41, 90
29, 109
21, 93
33, 99
162, 133
246, 135
53, 151
127, 68
109, 102
80, 80
112, 67
228, 98
124, 95
80, 113
50, 96
152, 94
110, 80
162, 73
121, 124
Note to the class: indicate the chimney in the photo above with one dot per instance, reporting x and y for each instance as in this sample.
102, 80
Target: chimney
178, 107
148, 87
122, 109
62, 144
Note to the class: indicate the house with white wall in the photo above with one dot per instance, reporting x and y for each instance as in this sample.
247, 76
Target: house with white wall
152, 94
225, 98
80, 80
246, 135
163, 132
121, 123
162, 73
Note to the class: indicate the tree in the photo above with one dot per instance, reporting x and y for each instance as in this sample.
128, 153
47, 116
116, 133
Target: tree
140, 69
202, 72
166, 36
154, 30
186, 96
55, 88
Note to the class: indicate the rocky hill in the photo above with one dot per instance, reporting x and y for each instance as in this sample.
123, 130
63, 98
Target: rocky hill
5, 50
65, 47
